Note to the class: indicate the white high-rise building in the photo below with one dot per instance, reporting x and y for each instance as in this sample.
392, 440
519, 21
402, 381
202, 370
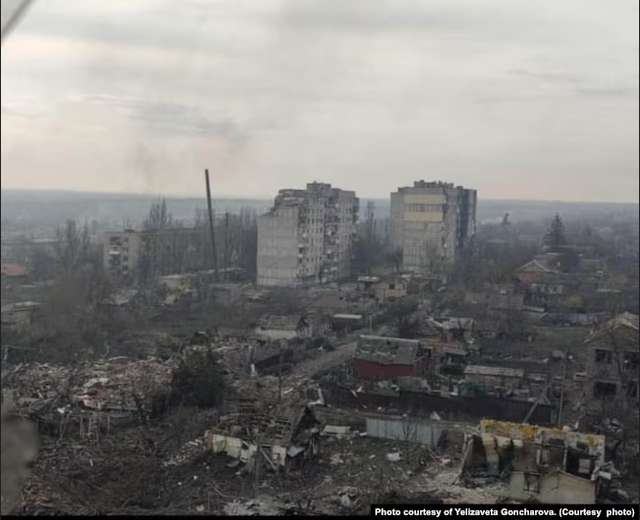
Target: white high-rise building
307, 236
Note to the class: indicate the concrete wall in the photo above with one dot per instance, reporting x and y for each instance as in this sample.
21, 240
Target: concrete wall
450, 408
402, 429
278, 239
555, 488
371, 370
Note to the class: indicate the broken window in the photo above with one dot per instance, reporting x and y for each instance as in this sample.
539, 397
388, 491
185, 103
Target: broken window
604, 356
632, 389
532, 482
543, 456
584, 466
603, 389
631, 361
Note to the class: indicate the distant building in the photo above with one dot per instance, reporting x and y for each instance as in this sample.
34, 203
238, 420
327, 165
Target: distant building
122, 251
14, 271
21, 315
307, 236
615, 359
431, 221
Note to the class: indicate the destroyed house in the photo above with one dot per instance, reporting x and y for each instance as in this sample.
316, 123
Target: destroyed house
614, 358
20, 315
366, 284
449, 358
347, 322
284, 327
492, 377
379, 358
271, 357
548, 465
277, 442
454, 328
390, 289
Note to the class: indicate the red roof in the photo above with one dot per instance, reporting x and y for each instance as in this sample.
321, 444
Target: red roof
13, 270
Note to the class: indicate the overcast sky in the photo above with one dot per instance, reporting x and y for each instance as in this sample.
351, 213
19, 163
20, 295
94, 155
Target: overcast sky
518, 99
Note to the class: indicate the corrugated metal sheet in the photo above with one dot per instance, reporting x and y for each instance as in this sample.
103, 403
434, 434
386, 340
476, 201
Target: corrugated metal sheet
411, 430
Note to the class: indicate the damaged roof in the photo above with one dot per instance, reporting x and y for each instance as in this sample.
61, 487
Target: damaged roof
280, 322
388, 351
532, 433
626, 320
480, 370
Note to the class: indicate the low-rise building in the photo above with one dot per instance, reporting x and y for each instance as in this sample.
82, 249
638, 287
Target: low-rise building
490, 377
20, 316
614, 359
284, 327
547, 465
380, 358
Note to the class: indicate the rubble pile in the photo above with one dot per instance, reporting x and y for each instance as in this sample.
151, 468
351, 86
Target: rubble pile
111, 390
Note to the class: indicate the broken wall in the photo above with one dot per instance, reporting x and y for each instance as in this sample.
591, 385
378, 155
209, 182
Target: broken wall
553, 488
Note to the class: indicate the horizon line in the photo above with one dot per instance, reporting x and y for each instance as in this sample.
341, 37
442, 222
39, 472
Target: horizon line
265, 198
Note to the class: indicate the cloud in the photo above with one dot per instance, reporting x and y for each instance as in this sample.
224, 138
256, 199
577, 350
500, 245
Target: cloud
169, 118
516, 99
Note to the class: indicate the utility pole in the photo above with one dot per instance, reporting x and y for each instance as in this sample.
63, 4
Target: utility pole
564, 377
279, 370
211, 229
256, 466
226, 245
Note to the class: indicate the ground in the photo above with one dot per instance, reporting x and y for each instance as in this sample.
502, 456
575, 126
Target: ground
129, 472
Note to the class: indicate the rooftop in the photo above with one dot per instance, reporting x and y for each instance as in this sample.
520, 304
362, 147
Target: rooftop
388, 351
13, 270
480, 370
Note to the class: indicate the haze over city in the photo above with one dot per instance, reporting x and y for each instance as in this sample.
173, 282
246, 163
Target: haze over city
517, 100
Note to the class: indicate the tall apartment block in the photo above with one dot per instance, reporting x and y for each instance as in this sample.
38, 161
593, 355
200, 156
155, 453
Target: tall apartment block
431, 219
307, 236
122, 252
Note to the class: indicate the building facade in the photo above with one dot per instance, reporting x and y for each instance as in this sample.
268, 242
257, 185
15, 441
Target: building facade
121, 250
614, 360
381, 358
307, 236
431, 222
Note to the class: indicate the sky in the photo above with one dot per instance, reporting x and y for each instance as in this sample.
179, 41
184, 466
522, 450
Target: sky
518, 99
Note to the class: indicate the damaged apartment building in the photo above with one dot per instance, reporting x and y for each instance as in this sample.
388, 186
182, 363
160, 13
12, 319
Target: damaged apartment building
431, 222
307, 236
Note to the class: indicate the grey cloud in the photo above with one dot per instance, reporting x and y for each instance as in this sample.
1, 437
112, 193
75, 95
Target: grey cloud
514, 98
555, 77
579, 84
622, 91
173, 118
